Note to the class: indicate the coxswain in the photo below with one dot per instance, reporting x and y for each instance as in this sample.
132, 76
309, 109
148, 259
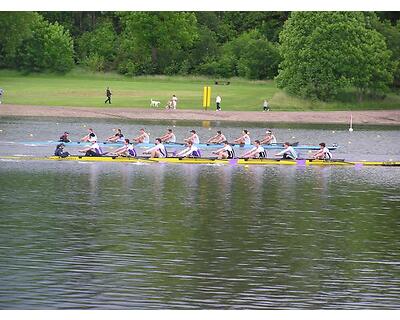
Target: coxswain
288, 152
194, 138
59, 152
269, 138
190, 151
226, 152
323, 153
118, 137
91, 136
158, 151
244, 138
169, 137
144, 137
64, 137
257, 151
218, 138
126, 150
93, 150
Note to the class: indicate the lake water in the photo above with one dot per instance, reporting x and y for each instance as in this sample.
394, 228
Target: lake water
164, 236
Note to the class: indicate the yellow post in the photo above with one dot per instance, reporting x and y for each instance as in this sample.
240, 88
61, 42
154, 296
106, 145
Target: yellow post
206, 97
209, 97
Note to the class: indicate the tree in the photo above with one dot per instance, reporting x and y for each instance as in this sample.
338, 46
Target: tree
325, 52
250, 55
98, 45
15, 27
158, 35
50, 48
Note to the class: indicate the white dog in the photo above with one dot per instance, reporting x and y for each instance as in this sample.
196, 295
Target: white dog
154, 103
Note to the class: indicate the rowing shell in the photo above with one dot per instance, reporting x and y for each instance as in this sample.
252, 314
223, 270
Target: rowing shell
277, 146
300, 162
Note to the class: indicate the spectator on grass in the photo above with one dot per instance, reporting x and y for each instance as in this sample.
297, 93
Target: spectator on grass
174, 101
1, 94
218, 103
108, 95
265, 105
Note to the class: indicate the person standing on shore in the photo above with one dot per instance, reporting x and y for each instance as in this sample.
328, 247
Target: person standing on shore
265, 105
174, 101
108, 95
218, 103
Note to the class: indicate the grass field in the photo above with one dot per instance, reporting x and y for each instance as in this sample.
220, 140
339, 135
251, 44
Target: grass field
79, 88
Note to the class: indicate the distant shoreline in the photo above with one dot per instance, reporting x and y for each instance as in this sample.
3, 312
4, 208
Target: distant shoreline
369, 117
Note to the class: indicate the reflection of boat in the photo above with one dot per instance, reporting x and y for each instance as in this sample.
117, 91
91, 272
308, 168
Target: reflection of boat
276, 146
300, 162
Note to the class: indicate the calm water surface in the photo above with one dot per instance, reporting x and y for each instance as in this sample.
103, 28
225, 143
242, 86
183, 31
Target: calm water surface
139, 236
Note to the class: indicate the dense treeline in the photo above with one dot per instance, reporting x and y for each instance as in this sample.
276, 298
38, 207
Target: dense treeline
312, 54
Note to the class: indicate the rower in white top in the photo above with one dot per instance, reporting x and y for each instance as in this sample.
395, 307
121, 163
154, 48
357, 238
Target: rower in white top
269, 138
226, 152
158, 151
194, 138
244, 138
257, 151
90, 137
118, 137
127, 150
288, 152
323, 153
93, 150
218, 138
190, 151
169, 137
144, 137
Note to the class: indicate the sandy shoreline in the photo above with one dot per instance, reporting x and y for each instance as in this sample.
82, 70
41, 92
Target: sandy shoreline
384, 117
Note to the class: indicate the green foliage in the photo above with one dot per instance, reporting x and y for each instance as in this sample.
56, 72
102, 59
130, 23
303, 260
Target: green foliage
100, 43
160, 35
94, 62
50, 48
250, 55
15, 27
326, 52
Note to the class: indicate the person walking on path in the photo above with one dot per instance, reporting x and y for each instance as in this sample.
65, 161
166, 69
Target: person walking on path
218, 103
108, 95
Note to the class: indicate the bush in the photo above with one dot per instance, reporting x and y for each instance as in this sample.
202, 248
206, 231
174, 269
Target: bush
94, 62
49, 48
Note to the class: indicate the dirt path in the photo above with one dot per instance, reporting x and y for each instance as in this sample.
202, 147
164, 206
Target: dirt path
384, 117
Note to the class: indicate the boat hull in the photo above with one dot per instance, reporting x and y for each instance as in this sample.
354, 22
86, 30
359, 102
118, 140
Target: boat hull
245, 162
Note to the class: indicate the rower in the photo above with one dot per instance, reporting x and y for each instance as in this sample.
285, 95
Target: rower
244, 138
118, 137
158, 151
59, 152
288, 152
226, 152
190, 151
257, 152
144, 137
269, 138
64, 137
169, 137
91, 136
93, 150
217, 138
194, 138
323, 153
126, 150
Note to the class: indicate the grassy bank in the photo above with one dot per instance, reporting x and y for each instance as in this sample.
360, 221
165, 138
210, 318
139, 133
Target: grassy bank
80, 88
